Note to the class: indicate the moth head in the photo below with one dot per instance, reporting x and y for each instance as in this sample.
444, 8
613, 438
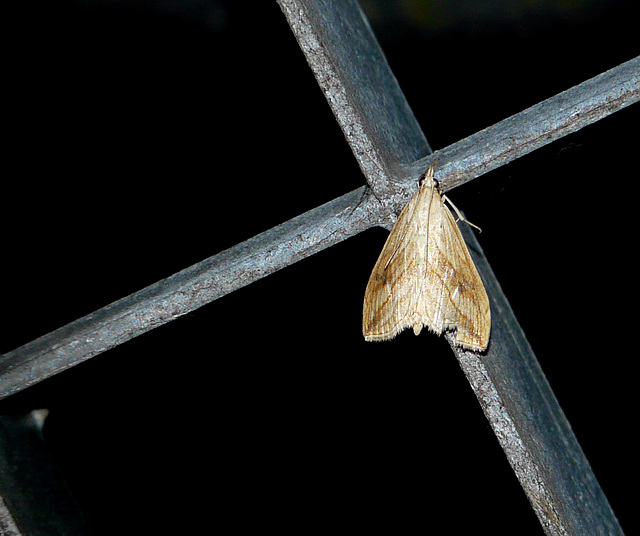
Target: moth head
427, 179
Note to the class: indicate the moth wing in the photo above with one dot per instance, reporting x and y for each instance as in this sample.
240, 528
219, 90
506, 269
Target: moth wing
465, 304
391, 297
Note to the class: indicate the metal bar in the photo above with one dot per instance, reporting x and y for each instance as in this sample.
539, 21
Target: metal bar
183, 292
364, 95
313, 231
528, 422
537, 126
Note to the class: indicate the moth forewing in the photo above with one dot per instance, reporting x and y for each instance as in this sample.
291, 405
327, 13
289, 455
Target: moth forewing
467, 301
392, 294
425, 276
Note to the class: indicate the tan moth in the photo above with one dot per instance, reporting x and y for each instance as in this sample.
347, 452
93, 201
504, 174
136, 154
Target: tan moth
425, 276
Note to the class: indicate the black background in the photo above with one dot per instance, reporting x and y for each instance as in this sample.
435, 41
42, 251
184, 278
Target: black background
147, 136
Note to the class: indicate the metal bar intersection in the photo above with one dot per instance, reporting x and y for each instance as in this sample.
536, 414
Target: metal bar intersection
392, 151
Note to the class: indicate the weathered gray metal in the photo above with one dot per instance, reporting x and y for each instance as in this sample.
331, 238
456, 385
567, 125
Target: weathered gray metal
317, 229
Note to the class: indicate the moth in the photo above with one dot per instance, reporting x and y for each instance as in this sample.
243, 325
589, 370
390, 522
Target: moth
426, 277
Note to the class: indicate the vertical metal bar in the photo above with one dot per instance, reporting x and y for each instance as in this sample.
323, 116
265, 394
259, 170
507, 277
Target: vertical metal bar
363, 93
508, 382
527, 420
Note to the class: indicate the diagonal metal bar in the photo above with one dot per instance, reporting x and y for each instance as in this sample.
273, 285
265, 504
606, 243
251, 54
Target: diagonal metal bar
315, 230
538, 125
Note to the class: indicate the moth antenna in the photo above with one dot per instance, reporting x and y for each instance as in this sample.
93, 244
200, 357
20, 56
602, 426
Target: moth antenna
458, 213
